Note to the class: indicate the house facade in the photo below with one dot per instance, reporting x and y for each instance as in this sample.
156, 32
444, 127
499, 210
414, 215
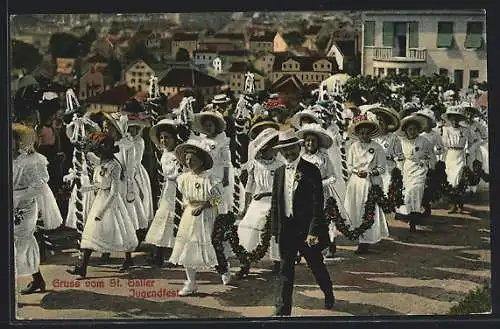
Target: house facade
309, 70
137, 75
237, 77
267, 41
110, 100
188, 41
178, 79
91, 84
448, 42
204, 58
264, 62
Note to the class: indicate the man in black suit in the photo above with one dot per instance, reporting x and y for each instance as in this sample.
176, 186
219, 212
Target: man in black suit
297, 221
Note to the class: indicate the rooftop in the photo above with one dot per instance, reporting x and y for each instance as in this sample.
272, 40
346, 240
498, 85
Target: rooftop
305, 62
114, 96
188, 77
185, 36
267, 36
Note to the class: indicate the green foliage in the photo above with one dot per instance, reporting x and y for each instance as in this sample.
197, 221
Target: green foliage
182, 55
25, 56
115, 68
476, 301
64, 45
294, 38
137, 50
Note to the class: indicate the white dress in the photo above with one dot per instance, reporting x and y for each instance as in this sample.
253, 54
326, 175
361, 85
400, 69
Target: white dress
365, 157
161, 231
336, 158
455, 141
114, 232
260, 180
142, 180
323, 162
436, 142
417, 154
392, 147
193, 245
29, 176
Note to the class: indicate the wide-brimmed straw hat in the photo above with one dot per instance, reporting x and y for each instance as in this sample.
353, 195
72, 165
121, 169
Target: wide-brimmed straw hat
324, 139
153, 132
420, 121
135, 120
266, 137
470, 108
429, 114
307, 113
391, 117
261, 123
287, 138
367, 120
221, 99
27, 137
118, 121
454, 110
209, 115
198, 146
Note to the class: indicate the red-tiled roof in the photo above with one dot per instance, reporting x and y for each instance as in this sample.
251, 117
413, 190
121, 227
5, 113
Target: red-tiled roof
285, 80
188, 77
114, 96
185, 37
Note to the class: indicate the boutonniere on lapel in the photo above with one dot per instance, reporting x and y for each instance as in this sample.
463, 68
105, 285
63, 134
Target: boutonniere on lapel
197, 185
461, 135
371, 150
272, 172
103, 171
417, 149
386, 145
298, 176
212, 147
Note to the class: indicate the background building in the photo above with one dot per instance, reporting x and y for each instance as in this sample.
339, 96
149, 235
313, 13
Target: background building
449, 42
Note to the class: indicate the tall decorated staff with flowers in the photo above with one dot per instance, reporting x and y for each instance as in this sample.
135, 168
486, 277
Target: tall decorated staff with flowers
77, 130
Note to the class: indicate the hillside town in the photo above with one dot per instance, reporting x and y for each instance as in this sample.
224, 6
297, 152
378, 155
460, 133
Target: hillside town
201, 159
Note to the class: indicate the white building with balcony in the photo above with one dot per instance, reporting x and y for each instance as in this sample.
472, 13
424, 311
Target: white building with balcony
450, 42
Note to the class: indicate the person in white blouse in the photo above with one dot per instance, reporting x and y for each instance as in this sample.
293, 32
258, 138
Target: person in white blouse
456, 140
417, 152
366, 162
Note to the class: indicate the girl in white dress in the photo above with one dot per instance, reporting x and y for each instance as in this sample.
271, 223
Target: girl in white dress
202, 193
316, 143
478, 137
456, 140
107, 228
365, 162
389, 122
258, 195
161, 232
417, 152
29, 184
139, 174
259, 124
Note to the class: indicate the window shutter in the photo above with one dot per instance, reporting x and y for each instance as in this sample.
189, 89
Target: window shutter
445, 35
388, 34
369, 33
413, 39
474, 37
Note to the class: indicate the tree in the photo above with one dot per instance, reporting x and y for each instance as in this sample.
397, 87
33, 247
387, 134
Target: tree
64, 45
115, 68
114, 28
294, 38
87, 39
182, 55
138, 50
25, 56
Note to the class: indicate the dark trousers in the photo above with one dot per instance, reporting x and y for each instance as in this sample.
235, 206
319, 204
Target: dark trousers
314, 259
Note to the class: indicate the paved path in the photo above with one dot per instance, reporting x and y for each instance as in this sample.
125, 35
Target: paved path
421, 273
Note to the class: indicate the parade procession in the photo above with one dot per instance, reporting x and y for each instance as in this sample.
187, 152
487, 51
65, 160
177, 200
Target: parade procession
238, 184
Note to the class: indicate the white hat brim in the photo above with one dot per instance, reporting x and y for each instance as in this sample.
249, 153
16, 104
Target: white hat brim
154, 129
324, 140
280, 146
181, 150
198, 118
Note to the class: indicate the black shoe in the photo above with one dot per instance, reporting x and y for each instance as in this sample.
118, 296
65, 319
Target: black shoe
413, 227
78, 271
362, 249
332, 249
105, 258
427, 211
34, 287
128, 263
329, 302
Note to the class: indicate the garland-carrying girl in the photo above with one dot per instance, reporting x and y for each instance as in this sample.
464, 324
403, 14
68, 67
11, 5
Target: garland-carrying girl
202, 193
365, 162
456, 140
258, 194
417, 152
161, 232
108, 227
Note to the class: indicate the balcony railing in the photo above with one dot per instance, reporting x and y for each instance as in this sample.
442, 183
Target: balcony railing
412, 55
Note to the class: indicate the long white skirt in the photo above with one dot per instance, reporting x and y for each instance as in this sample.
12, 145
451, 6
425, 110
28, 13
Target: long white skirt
161, 231
356, 195
114, 233
455, 163
26, 252
414, 177
87, 200
251, 227
485, 157
144, 184
48, 209
193, 245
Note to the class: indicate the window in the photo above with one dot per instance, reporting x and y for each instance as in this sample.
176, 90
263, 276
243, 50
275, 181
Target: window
369, 33
413, 34
139, 88
134, 74
132, 81
391, 72
322, 66
473, 76
458, 76
381, 71
415, 71
139, 80
388, 34
445, 35
474, 38
443, 72
403, 71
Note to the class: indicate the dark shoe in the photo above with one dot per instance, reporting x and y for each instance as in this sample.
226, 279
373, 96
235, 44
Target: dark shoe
78, 271
105, 258
329, 302
281, 313
413, 227
362, 249
128, 263
243, 272
34, 287
427, 211
332, 249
